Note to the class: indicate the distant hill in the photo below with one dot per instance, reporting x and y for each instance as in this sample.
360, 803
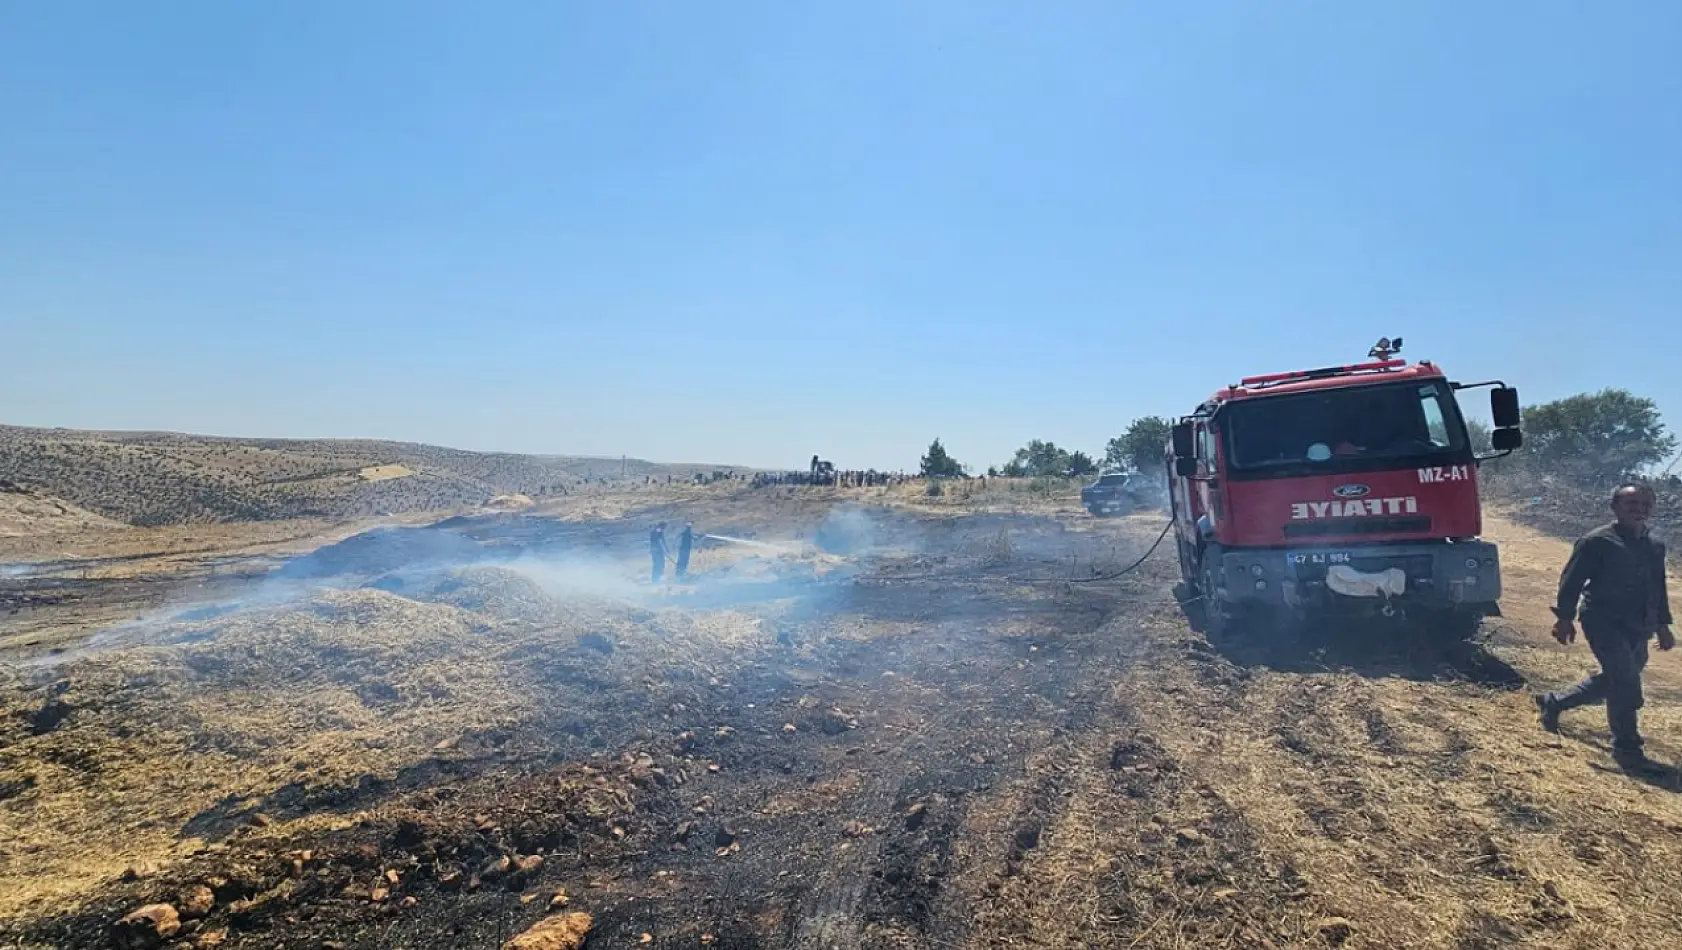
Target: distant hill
154, 478
26, 512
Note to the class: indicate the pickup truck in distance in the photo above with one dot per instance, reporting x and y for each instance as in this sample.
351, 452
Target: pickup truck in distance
1114, 493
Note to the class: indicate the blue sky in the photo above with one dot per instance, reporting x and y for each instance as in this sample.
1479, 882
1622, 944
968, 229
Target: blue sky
751, 231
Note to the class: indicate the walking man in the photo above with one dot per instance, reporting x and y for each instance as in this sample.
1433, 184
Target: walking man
657, 550
1623, 571
685, 542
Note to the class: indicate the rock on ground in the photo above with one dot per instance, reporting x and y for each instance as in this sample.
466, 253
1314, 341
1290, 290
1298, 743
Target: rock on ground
559, 932
147, 927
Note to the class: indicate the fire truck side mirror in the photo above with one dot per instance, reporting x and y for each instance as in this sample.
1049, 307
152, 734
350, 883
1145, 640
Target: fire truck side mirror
1506, 440
1184, 446
1187, 467
1503, 407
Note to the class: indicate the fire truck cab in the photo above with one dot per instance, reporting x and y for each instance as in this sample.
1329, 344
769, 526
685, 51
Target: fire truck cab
1346, 489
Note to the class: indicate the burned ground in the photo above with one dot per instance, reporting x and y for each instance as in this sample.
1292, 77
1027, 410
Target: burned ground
892, 724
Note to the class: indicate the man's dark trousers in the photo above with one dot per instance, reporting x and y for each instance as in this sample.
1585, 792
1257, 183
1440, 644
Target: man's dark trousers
1622, 655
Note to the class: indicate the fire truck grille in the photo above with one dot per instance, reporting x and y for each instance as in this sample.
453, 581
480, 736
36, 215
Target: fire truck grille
1347, 526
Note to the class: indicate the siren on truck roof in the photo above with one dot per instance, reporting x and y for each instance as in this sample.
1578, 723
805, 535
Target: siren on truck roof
1383, 353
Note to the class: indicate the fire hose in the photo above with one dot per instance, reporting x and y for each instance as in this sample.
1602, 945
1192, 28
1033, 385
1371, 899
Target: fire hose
1072, 580
1131, 567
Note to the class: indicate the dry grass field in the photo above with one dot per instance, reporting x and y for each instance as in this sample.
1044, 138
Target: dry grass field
869, 719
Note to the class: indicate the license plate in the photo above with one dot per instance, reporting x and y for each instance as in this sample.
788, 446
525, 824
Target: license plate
1301, 558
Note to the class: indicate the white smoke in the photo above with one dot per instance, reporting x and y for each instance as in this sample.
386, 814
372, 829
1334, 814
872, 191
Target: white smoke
579, 576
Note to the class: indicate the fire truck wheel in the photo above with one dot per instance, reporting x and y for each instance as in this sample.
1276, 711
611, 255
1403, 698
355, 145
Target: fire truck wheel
1213, 613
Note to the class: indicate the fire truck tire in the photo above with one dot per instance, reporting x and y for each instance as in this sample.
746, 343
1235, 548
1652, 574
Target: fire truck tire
1214, 621
1214, 614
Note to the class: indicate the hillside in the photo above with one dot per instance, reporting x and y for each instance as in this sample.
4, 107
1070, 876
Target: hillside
24, 512
157, 478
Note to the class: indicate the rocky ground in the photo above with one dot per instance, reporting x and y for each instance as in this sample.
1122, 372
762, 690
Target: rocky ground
891, 721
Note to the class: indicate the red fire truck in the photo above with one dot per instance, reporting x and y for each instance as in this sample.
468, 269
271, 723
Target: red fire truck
1343, 489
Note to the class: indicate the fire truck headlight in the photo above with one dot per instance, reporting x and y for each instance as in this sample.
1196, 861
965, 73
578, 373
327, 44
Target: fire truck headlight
1471, 564
1255, 570
1261, 585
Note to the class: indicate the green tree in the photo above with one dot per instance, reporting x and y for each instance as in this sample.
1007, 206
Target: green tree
1478, 432
1596, 437
938, 464
1038, 458
1079, 463
1141, 447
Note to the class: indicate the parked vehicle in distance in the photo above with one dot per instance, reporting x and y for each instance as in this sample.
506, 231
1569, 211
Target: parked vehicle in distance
1114, 493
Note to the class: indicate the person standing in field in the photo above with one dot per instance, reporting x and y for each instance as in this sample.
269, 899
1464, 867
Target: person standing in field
685, 543
1619, 573
657, 551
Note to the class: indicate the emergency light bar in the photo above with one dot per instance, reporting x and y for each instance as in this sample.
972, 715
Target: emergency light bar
1322, 372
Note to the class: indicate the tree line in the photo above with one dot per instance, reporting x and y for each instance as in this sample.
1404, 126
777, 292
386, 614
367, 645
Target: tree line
1139, 447
1589, 439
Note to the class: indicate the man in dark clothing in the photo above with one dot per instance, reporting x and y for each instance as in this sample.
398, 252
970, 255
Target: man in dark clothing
685, 542
1623, 570
657, 550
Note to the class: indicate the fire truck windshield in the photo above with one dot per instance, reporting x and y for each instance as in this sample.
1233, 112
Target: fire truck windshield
1342, 428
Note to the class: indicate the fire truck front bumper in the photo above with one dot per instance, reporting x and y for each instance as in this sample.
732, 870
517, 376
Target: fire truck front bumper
1439, 574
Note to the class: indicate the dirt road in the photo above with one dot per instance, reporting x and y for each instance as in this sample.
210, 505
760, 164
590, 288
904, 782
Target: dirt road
900, 725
